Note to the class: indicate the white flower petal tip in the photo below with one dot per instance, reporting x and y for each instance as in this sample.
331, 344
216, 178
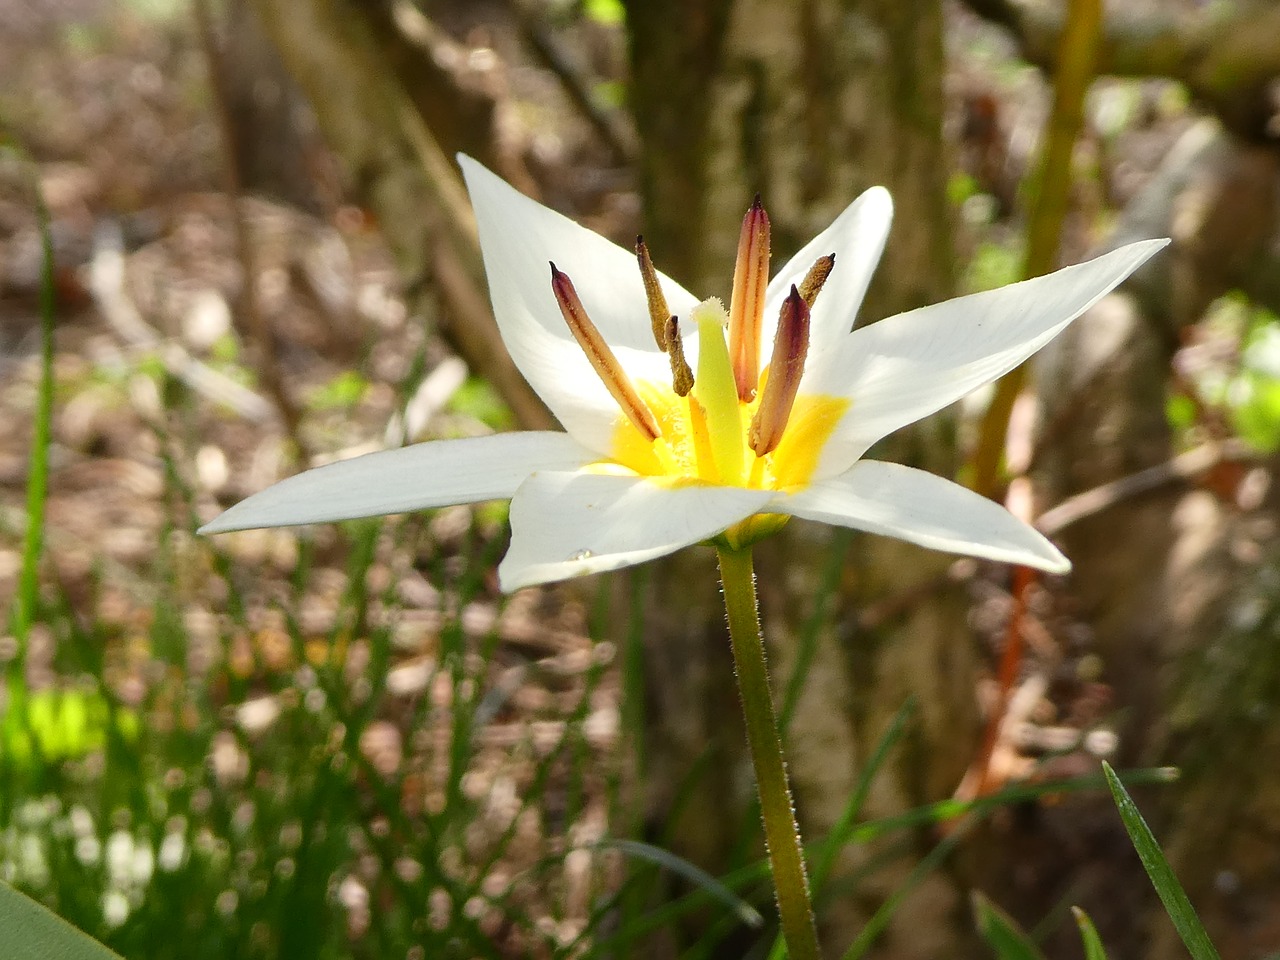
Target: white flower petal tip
878, 204
912, 505
425, 475
566, 525
911, 365
857, 238
518, 236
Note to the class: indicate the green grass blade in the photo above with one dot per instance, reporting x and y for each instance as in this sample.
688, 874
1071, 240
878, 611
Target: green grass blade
38, 469
23, 612
1171, 893
29, 931
952, 809
843, 829
1001, 932
880, 919
695, 875
811, 630
1093, 949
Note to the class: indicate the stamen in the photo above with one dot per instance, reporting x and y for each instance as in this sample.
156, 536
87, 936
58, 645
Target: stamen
746, 306
812, 283
716, 393
658, 309
681, 373
790, 346
601, 356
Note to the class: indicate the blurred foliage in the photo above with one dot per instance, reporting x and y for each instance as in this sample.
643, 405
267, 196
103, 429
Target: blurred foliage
610, 13
1234, 368
993, 265
1254, 393
341, 393
477, 400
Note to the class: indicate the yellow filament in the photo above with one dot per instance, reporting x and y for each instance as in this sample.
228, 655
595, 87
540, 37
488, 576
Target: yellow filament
703, 456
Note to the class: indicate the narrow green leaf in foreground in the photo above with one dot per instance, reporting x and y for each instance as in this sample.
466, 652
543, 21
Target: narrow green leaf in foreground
31, 932
22, 614
999, 930
1093, 949
1171, 893
695, 875
25, 600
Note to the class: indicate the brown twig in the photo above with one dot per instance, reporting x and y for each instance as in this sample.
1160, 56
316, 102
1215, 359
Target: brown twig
608, 125
1228, 56
1007, 674
1181, 468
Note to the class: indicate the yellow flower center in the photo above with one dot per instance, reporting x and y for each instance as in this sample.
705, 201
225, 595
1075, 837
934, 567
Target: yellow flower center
706, 436
675, 454
729, 425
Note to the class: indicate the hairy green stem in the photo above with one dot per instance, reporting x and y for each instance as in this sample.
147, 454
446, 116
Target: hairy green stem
786, 858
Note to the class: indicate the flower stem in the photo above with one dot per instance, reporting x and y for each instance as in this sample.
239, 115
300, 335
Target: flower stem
780, 832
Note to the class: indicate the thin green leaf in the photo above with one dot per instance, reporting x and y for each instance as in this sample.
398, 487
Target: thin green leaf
811, 630
880, 919
695, 875
843, 828
953, 809
13, 735
30, 931
38, 468
1002, 932
1171, 893
1093, 949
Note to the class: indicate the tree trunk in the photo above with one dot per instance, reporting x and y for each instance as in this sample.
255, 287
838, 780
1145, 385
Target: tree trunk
808, 104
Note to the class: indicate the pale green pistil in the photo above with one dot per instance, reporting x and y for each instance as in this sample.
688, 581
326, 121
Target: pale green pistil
717, 392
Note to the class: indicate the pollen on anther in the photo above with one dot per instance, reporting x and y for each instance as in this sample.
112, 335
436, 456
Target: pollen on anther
681, 372
658, 309
816, 278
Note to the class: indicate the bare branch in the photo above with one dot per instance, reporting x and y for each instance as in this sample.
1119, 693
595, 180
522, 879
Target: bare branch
609, 125
1182, 468
1228, 55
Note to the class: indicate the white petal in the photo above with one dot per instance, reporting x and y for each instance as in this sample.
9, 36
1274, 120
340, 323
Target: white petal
519, 237
569, 524
435, 474
902, 369
912, 505
857, 239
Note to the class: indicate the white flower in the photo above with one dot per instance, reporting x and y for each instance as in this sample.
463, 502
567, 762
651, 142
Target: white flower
641, 470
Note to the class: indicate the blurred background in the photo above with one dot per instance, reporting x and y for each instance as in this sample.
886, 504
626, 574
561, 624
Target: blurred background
343, 742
